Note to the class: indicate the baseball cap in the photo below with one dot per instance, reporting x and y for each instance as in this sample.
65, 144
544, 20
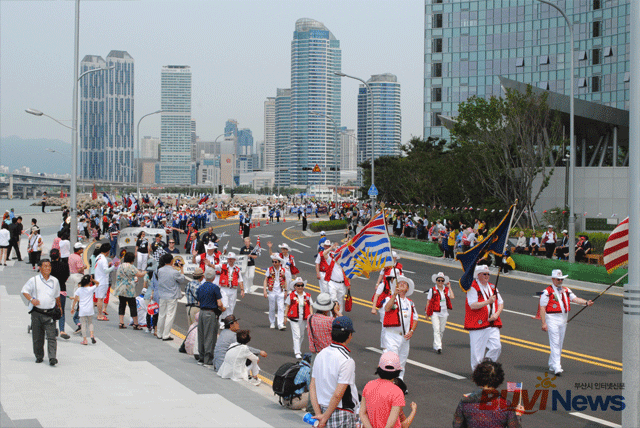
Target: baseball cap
389, 362
78, 245
198, 272
343, 323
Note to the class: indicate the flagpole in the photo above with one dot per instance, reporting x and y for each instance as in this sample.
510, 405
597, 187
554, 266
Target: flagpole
598, 296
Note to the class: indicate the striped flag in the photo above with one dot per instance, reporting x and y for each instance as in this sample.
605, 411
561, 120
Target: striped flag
616, 249
368, 251
514, 386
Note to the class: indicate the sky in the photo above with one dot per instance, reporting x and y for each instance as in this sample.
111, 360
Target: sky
239, 52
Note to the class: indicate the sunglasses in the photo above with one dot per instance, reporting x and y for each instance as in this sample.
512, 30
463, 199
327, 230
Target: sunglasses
275, 262
439, 280
300, 285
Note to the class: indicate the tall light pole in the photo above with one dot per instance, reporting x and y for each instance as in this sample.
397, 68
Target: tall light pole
335, 149
373, 137
572, 143
138, 139
224, 134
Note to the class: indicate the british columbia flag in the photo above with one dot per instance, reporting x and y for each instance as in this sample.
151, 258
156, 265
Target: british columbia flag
368, 251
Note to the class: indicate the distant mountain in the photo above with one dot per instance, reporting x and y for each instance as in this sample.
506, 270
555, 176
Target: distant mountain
16, 152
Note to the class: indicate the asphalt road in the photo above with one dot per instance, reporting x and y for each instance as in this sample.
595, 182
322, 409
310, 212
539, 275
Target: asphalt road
592, 350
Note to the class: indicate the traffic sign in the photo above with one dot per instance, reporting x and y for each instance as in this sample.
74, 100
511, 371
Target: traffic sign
373, 191
316, 168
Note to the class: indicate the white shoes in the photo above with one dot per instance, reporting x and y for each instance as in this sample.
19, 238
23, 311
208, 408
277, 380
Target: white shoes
272, 326
299, 356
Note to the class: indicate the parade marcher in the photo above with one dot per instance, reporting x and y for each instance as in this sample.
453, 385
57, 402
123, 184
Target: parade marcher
555, 304
298, 308
288, 262
333, 390
210, 298
483, 306
336, 281
439, 298
274, 287
249, 251
190, 293
400, 320
229, 280
385, 286
321, 267
43, 293
211, 257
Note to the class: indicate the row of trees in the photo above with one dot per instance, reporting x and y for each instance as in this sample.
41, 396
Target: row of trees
498, 147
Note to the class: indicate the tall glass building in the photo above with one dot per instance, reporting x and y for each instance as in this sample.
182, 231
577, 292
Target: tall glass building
176, 166
469, 44
387, 120
269, 155
244, 153
315, 57
106, 118
283, 158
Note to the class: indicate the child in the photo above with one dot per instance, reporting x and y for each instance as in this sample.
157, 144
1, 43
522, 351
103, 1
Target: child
141, 305
84, 299
405, 421
150, 284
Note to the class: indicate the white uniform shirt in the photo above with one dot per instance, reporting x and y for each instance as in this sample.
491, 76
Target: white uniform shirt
444, 312
487, 292
43, 290
544, 299
551, 237
102, 271
337, 274
406, 309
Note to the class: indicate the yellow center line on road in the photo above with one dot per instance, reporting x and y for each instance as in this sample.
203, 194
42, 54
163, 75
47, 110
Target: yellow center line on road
525, 344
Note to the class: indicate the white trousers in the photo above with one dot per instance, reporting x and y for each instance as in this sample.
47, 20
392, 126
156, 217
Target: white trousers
287, 277
141, 260
486, 339
324, 287
276, 298
556, 327
298, 329
248, 278
229, 297
382, 328
438, 323
337, 292
166, 315
395, 341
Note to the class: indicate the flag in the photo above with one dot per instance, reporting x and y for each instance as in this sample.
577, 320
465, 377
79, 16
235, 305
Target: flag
616, 249
494, 243
158, 203
368, 251
94, 194
203, 199
514, 386
107, 199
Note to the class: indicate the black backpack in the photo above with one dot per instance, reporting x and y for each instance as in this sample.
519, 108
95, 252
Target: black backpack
283, 382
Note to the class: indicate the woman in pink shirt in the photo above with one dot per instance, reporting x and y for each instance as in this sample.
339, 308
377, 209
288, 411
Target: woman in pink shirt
382, 400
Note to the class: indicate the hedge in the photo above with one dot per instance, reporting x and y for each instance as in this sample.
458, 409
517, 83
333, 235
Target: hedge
577, 271
414, 246
328, 225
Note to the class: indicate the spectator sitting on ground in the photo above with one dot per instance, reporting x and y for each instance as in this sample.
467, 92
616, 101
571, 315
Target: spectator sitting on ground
240, 362
226, 338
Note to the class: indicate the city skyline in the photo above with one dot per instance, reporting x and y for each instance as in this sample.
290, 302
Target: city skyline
232, 74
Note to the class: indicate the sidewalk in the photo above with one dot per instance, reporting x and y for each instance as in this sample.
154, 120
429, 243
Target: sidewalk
128, 379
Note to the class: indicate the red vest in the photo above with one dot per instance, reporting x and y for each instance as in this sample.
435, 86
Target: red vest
553, 307
292, 266
323, 263
386, 291
434, 303
293, 313
271, 278
224, 276
203, 257
327, 274
392, 317
476, 319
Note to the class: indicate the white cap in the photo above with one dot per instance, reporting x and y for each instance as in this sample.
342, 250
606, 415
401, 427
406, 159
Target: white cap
79, 245
557, 274
210, 246
481, 269
231, 255
395, 255
323, 233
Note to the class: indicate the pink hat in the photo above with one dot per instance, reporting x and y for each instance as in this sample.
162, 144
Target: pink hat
389, 362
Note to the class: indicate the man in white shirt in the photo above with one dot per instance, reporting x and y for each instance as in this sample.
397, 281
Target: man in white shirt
102, 270
555, 304
336, 282
333, 390
43, 293
274, 287
321, 267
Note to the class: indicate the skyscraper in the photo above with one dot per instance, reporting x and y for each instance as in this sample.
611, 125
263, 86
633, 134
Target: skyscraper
231, 127
469, 45
283, 138
106, 118
348, 149
175, 126
315, 57
269, 155
387, 117
244, 151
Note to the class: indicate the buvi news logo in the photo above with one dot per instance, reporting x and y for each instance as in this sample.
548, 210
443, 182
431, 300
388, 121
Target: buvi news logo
546, 398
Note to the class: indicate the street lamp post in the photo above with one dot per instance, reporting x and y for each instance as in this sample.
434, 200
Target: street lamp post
373, 139
224, 134
335, 149
138, 139
572, 145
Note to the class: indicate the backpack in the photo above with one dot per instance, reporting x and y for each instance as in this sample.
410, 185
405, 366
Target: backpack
283, 382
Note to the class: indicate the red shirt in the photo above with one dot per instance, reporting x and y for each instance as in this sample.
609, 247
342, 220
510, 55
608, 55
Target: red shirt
380, 396
76, 265
319, 332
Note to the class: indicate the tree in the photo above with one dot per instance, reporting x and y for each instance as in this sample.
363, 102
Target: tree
508, 142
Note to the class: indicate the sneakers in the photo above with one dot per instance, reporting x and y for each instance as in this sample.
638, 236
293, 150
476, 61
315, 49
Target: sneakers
282, 328
200, 363
208, 366
439, 351
255, 381
272, 326
559, 372
299, 356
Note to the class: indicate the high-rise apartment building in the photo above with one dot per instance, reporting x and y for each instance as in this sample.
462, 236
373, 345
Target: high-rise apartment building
283, 158
348, 149
387, 118
315, 57
176, 166
231, 127
244, 154
149, 148
270, 134
470, 44
106, 118
194, 140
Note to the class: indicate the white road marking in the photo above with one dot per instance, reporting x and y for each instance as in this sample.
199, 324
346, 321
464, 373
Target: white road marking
265, 236
306, 263
407, 271
424, 366
297, 251
596, 420
236, 248
519, 313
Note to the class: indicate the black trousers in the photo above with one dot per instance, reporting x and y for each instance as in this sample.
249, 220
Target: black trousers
14, 244
43, 325
549, 248
133, 309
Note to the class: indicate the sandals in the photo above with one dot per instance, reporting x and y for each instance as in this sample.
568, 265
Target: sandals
137, 327
122, 326
84, 342
103, 319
